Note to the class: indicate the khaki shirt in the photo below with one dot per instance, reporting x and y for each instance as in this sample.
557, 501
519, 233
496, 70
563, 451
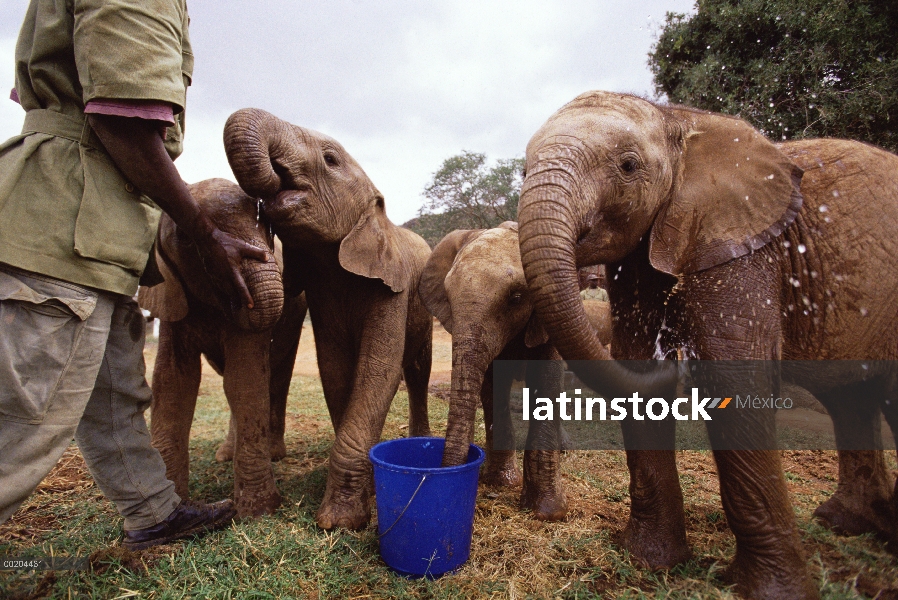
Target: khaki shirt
65, 209
594, 294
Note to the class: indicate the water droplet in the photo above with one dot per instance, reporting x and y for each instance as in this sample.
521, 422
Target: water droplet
802, 248
823, 208
864, 312
735, 139
835, 193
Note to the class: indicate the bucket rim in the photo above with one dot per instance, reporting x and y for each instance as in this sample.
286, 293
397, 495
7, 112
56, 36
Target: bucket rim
474, 464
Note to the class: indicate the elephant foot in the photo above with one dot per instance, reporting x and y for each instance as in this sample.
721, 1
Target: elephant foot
348, 512
547, 504
783, 576
225, 452
353, 517
655, 544
254, 502
501, 470
855, 514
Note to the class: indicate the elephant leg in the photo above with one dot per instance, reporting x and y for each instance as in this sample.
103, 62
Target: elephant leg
736, 335
861, 503
336, 367
417, 378
284, 345
500, 468
225, 452
769, 561
543, 492
176, 383
655, 534
361, 420
246, 382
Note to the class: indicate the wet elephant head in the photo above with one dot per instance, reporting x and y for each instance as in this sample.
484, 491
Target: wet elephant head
608, 171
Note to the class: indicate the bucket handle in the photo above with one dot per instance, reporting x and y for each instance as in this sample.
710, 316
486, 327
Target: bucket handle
423, 477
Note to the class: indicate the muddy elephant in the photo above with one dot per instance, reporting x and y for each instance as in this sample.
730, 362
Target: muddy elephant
253, 349
722, 245
360, 275
474, 284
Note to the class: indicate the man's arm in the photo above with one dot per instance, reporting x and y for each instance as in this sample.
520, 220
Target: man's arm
138, 151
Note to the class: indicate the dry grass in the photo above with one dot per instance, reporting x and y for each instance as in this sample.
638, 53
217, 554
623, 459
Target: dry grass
513, 556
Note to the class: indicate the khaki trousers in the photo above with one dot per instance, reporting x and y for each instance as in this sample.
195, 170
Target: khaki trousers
71, 365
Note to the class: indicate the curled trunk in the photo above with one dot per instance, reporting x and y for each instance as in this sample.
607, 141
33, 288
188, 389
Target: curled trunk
267, 289
257, 144
549, 231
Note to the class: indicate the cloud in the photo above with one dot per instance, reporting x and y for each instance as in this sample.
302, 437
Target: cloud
401, 84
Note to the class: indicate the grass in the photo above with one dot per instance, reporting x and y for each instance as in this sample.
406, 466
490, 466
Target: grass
513, 556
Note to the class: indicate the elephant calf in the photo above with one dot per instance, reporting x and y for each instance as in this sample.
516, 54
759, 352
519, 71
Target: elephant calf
253, 349
360, 274
474, 284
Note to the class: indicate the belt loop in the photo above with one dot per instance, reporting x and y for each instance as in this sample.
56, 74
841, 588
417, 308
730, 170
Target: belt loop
87, 134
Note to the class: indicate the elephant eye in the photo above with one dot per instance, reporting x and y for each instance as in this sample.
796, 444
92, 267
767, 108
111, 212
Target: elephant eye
516, 298
331, 159
628, 165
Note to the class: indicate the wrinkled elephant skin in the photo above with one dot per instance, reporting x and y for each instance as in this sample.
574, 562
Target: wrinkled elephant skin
725, 246
253, 350
360, 275
474, 284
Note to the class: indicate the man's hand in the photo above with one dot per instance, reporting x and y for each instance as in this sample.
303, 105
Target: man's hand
137, 150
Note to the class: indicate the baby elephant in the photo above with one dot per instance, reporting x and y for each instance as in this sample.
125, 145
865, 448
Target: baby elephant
253, 349
474, 284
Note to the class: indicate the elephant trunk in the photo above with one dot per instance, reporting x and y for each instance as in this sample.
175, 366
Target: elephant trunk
263, 279
469, 365
255, 143
549, 230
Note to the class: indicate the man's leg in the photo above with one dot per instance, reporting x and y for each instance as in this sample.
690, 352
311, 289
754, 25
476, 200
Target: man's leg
115, 442
52, 339
113, 435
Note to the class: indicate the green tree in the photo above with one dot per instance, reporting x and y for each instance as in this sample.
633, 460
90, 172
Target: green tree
467, 193
792, 68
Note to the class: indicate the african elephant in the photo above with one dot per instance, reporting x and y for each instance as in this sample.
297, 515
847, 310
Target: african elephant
253, 349
474, 284
360, 274
726, 246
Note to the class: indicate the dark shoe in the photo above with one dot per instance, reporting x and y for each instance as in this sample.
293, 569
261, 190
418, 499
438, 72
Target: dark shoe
188, 519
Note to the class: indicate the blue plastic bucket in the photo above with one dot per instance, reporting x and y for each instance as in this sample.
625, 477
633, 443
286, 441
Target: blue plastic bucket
425, 512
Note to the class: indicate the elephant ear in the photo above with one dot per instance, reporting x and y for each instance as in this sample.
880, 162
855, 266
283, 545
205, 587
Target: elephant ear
165, 301
371, 249
536, 334
432, 287
733, 192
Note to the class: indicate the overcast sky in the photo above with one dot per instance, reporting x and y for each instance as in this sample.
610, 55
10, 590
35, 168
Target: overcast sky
402, 84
